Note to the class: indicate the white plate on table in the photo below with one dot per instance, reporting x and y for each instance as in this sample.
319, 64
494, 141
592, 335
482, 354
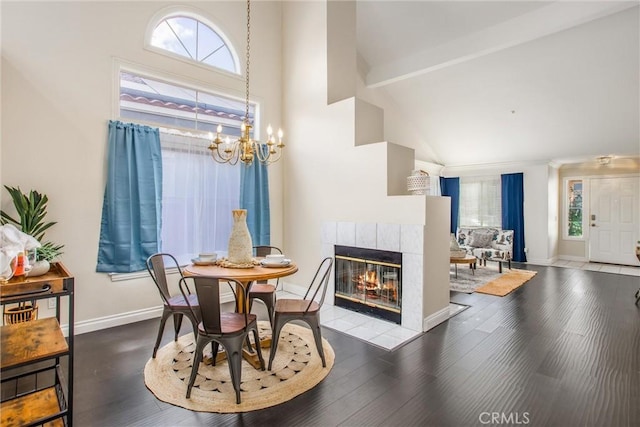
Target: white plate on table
279, 264
198, 261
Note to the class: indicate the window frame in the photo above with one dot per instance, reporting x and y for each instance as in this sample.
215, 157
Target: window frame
565, 208
176, 11
183, 81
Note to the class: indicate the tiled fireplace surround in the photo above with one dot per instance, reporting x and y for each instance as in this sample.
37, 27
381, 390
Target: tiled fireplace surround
404, 238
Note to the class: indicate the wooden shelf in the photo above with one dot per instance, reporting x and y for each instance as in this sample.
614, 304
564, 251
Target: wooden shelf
24, 346
26, 410
57, 279
31, 342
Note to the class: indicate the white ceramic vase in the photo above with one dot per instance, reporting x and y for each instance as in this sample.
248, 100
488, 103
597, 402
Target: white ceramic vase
240, 244
39, 268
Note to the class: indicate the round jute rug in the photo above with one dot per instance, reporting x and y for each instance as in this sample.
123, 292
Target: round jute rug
296, 368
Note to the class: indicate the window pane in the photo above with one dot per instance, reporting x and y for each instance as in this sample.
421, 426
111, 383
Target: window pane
164, 38
193, 39
221, 59
574, 211
198, 196
480, 202
165, 104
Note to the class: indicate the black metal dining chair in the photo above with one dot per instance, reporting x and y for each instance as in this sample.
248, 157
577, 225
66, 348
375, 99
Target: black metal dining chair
178, 305
306, 309
263, 290
228, 329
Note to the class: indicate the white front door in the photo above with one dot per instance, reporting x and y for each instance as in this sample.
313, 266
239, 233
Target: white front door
614, 220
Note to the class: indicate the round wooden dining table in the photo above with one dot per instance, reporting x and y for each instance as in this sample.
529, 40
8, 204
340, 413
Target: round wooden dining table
244, 275
247, 276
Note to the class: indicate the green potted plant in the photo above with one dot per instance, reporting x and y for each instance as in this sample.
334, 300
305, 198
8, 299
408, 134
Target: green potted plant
32, 209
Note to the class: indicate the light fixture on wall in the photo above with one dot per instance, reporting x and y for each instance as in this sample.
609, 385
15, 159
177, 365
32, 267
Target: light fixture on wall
244, 148
604, 160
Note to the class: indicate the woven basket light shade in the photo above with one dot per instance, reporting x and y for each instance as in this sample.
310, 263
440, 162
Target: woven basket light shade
418, 182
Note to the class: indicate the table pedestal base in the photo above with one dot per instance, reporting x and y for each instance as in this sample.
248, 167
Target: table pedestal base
249, 356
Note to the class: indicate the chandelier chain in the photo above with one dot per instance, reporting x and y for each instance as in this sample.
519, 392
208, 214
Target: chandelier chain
246, 115
245, 149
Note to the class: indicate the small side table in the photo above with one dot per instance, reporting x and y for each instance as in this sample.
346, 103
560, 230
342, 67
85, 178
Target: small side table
467, 259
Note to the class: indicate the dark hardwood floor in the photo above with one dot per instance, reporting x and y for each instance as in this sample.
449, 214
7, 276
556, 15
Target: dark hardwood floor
563, 350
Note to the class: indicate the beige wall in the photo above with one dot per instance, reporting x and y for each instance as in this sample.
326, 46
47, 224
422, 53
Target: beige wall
57, 97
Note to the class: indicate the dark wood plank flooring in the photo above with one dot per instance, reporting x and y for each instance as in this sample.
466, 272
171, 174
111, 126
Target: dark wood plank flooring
563, 350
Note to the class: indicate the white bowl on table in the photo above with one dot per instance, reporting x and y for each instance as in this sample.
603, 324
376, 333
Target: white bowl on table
207, 256
275, 260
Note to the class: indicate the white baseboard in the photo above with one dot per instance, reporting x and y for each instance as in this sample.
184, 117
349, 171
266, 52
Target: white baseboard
435, 319
99, 323
120, 319
573, 258
541, 261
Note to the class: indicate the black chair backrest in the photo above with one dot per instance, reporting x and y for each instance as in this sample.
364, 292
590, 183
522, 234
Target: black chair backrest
262, 251
157, 265
319, 283
208, 292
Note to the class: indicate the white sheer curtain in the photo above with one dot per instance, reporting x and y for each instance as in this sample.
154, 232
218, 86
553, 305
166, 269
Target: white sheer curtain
198, 196
480, 202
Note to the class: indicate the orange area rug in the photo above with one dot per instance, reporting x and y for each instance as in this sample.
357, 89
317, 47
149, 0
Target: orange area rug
507, 283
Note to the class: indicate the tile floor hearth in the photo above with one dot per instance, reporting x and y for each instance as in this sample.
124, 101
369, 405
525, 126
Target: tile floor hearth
595, 266
375, 331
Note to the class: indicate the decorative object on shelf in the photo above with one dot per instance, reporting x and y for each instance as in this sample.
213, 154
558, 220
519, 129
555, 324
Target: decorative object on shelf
418, 182
245, 148
32, 210
13, 246
22, 312
240, 244
8, 264
39, 268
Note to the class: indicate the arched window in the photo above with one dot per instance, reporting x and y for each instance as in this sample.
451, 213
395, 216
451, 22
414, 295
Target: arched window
190, 37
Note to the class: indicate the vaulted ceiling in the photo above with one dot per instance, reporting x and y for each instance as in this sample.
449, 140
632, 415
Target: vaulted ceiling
490, 82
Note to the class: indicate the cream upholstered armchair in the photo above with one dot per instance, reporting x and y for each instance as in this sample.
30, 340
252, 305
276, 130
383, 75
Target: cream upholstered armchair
487, 243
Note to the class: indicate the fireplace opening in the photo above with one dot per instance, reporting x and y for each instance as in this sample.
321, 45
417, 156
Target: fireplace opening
369, 281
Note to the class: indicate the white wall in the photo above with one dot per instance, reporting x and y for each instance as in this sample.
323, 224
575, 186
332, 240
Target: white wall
57, 95
328, 178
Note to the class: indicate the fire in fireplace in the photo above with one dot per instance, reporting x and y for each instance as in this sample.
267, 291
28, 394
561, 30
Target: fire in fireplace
369, 281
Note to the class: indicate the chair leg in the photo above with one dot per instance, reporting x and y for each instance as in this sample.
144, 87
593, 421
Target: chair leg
177, 324
270, 303
197, 358
234, 357
317, 336
215, 346
163, 321
256, 337
275, 336
249, 346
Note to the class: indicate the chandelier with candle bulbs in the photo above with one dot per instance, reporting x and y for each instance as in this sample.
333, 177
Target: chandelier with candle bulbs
245, 149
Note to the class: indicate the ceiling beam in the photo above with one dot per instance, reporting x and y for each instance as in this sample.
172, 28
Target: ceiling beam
541, 22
